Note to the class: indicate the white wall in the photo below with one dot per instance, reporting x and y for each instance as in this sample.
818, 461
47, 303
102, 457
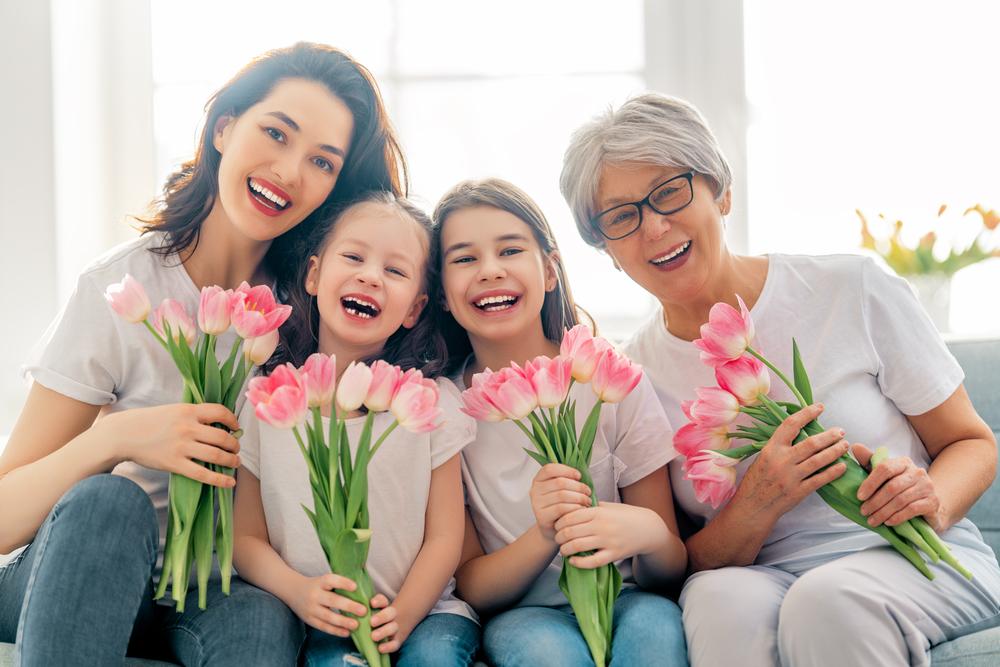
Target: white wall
28, 290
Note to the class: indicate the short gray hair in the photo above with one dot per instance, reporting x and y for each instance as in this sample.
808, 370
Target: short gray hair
651, 128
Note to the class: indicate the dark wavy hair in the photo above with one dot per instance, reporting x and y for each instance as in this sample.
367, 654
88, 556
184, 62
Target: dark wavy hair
559, 310
418, 347
374, 160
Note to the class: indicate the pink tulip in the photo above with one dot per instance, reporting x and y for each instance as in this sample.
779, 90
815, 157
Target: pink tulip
129, 300
510, 392
415, 404
727, 334
615, 376
319, 378
255, 312
714, 406
745, 378
353, 386
550, 379
279, 399
476, 405
386, 379
712, 475
214, 310
258, 350
694, 437
584, 349
173, 314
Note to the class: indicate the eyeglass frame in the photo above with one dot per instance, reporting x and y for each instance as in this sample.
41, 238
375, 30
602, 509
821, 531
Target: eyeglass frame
645, 201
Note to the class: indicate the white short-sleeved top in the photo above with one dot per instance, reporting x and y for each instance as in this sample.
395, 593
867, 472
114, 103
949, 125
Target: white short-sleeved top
92, 355
633, 440
399, 480
873, 357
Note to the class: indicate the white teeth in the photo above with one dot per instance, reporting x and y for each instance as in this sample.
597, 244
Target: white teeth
505, 300
363, 303
666, 258
261, 190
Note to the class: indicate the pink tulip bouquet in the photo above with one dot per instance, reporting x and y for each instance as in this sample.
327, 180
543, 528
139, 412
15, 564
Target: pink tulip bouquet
192, 527
743, 386
297, 397
539, 393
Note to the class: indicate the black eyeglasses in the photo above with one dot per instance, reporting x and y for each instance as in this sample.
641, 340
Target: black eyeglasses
668, 197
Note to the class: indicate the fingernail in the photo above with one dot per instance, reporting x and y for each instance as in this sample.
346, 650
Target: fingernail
842, 432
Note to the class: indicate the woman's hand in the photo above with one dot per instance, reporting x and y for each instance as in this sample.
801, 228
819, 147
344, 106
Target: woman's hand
897, 490
783, 474
556, 491
613, 531
314, 601
385, 629
174, 437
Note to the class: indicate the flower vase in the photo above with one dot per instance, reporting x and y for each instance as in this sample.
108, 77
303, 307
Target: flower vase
933, 290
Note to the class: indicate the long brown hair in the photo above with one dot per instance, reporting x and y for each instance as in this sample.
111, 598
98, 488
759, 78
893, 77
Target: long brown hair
559, 310
418, 347
374, 162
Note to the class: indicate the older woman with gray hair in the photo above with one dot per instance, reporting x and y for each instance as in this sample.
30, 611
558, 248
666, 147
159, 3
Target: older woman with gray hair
778, 577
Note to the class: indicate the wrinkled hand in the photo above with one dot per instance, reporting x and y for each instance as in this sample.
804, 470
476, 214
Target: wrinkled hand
318, 606
385, 629
556, 491
612, 530
173, 437
897, 490
783, 474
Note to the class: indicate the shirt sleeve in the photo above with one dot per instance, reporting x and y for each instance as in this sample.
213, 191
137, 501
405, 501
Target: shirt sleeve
644, 437
914, 368
250, 440
457, 429
81, 354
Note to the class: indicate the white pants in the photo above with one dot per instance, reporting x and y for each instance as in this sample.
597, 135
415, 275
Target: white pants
866, 608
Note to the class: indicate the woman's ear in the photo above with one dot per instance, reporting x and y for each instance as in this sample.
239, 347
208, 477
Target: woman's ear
552, 261
414, 313
312, 276
220, 133
726, 203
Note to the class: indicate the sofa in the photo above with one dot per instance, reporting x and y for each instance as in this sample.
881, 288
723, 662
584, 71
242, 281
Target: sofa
981, 361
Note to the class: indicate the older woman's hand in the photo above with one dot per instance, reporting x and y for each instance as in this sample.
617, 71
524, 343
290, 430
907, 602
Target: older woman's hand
783, 474
897, 490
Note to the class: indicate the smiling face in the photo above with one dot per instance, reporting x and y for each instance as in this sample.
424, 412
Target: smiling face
369, 279
494, 274
673, 257
281, 158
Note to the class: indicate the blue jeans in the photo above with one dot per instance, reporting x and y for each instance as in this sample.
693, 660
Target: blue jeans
646, 631
440, 640
81, 594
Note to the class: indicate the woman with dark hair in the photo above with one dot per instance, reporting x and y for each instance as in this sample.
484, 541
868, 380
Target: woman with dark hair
778, 577
295, 129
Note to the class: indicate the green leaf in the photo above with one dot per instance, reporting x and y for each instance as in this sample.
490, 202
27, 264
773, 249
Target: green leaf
801, 378
539, 459
357, 494
202, 541
588, 433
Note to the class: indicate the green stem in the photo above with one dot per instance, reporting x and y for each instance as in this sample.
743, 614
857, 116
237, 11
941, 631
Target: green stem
381, 438
774, 369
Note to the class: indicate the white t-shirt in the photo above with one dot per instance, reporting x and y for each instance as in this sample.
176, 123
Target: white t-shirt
399, 482
873, 357
92, 355
633, 440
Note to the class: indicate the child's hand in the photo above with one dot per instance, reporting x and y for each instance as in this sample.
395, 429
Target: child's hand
385, 629
613, 531
317, 605
555, 491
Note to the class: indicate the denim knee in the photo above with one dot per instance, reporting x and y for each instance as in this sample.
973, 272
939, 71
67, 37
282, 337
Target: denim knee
110, 502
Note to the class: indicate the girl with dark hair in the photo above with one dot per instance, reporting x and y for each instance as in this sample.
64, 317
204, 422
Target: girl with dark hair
503, 298
360, 297
295, 129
